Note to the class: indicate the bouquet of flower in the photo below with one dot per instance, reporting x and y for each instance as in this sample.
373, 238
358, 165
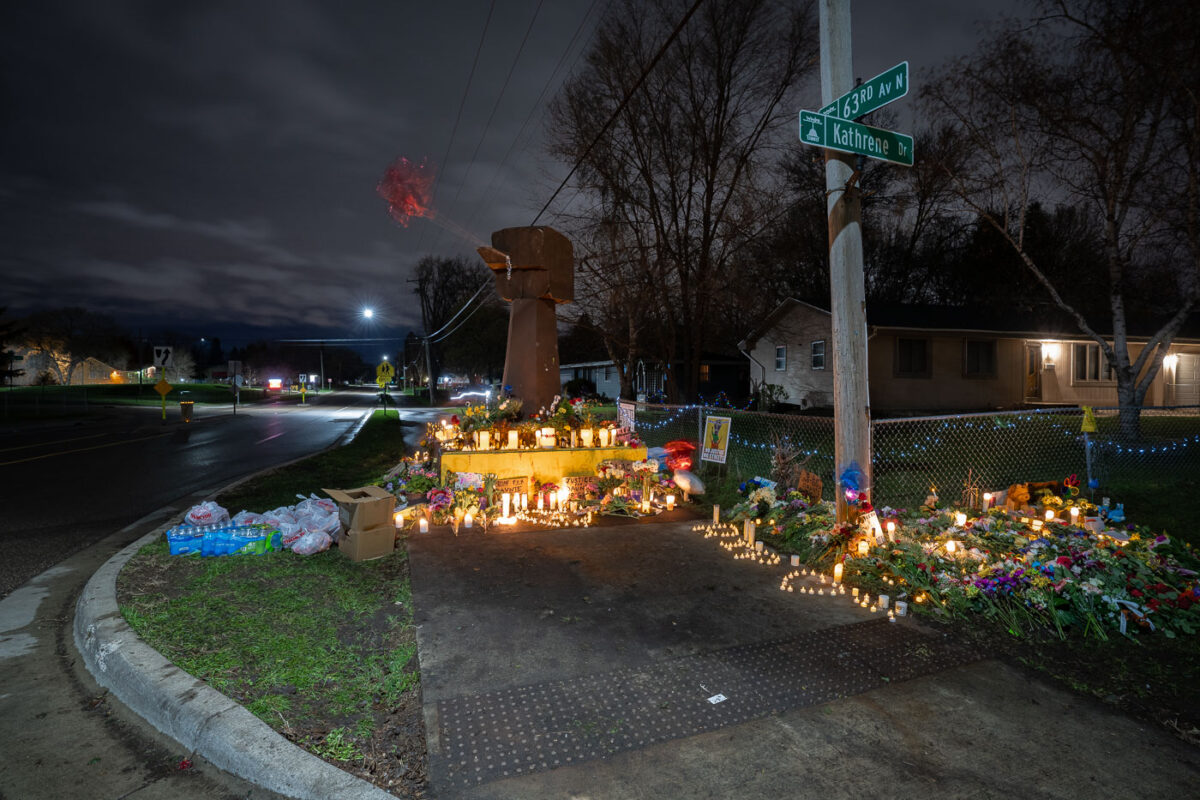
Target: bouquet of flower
648, 466
440, 499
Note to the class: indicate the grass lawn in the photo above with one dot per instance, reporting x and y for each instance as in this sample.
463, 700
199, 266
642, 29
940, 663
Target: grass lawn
319, 647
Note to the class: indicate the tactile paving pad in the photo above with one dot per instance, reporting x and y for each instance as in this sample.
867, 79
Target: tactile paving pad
559, 723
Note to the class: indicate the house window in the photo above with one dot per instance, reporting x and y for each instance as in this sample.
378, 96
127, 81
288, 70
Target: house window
704, 373
979, 359
780, 358
818, 355
1090, 365
608, 372
912, 358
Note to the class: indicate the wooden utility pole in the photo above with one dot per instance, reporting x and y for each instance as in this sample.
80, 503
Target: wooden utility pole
852, 411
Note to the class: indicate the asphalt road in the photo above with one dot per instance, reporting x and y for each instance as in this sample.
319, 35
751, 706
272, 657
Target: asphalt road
69, 484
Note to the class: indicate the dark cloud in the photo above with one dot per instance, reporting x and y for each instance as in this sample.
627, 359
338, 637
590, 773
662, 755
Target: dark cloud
214, 164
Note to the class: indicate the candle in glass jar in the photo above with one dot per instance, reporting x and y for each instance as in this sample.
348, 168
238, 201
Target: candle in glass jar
987, 503
716, 513
960, 519
604, 437
586, 435
862, 547
837, 572
1049, 514
1074, 514
424, 525
485, 441
670, 502
505, 504
524, 501
468, 520
512, 440
891, 530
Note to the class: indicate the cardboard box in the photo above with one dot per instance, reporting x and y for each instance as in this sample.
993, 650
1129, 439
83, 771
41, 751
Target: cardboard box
363, 508
368, 544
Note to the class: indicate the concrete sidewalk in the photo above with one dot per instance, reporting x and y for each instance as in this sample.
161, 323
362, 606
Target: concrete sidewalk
583, 645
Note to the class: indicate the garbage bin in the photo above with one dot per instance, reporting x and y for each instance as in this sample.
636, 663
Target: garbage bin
185, 409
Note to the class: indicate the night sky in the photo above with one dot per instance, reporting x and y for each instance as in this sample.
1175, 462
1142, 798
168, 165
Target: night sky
211, 166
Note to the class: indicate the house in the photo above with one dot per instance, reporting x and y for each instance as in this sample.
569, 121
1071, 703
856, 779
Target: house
717, 374
930, 358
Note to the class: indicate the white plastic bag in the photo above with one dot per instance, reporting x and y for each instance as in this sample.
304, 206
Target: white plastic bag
311, 542
289, 533
207, 513
247, 518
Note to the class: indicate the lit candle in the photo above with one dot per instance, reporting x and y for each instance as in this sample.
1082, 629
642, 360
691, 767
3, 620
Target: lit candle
553, 500
604, 437
398, 519
505, 504
1036, 524
758, 547
716, 514
424, 525
573, 438
1074, 514
862, 547
586, 435
901, 608
795, 561
485, 442
524, 501
563, 494
891, 530
468, 520
960, 519
670, 502
541, 499
951, 546
987, 503
884, 600
512, 440
1049, 514
837, 572
646, 505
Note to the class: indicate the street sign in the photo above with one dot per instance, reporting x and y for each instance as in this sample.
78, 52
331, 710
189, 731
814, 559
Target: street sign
821, 130
162, 357
162, 387
385, 371
870, 95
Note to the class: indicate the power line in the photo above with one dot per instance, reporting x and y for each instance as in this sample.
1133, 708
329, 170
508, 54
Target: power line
486, 198
621, 106
495, 106
458, 117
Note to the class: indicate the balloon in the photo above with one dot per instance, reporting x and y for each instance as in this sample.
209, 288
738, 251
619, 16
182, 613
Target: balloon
688, 482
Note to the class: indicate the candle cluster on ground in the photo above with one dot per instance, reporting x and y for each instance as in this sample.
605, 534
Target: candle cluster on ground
797, 580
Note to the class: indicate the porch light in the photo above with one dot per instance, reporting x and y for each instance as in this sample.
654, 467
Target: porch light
1049, 351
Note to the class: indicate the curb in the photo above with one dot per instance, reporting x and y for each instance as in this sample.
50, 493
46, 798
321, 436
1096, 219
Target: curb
200, 718
197, 716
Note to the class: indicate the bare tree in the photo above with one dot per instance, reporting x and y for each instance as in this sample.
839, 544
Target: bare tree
1092, 105
686, 174
69, 336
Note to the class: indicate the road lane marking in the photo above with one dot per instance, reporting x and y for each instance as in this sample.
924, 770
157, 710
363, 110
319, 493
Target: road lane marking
272, 436
83, 449
56, 441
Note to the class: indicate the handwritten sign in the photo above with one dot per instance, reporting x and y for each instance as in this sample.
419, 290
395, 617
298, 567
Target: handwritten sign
512, 485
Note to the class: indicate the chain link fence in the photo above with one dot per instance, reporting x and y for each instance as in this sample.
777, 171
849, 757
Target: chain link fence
988, 451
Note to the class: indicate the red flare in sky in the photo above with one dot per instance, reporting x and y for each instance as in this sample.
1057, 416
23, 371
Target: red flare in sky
406, 187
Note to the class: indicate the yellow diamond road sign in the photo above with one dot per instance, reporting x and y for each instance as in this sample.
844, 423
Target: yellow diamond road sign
385, 371
162, 387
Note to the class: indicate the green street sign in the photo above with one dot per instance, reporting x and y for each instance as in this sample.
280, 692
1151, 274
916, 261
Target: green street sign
820, 130
870, 95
